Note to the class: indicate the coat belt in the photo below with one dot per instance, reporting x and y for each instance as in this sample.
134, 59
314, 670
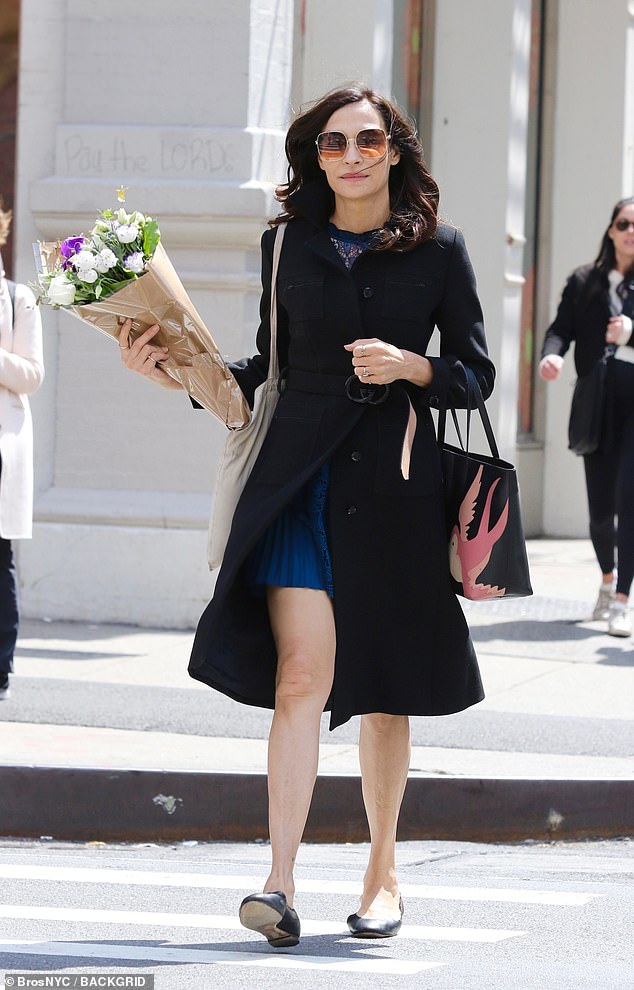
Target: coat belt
323, 384
352, 388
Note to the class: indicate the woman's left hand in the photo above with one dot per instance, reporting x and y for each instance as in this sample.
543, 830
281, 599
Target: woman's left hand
379, 363
619, 330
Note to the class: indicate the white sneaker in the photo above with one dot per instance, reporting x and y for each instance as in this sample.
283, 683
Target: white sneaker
619, 622
602, 608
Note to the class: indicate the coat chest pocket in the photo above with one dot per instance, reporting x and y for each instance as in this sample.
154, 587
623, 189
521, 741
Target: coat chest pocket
411, 299
302, 296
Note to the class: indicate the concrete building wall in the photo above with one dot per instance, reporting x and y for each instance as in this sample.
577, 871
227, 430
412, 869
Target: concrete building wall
342, 45
481, 169
189, 112
590, 169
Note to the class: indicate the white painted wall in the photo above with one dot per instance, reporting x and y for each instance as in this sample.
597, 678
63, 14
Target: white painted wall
345, 44
478, 157
592, 140
125, 470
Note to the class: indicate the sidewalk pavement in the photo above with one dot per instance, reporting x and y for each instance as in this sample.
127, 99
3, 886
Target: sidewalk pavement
542, 660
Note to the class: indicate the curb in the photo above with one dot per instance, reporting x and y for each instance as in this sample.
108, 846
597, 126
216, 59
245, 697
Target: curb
90, 804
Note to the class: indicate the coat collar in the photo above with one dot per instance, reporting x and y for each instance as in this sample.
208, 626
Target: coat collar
314, 202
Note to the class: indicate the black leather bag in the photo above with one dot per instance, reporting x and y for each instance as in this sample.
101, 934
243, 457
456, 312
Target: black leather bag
487, 548
587, 408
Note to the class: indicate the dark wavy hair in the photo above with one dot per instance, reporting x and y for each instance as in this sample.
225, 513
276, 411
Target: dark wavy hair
605, 261
413, 191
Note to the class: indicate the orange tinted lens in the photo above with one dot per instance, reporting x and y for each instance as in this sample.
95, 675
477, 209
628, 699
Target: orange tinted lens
372, 142
332, 145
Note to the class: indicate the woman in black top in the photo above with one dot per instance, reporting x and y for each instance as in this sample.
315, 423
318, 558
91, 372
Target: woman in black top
334, 593
596, 310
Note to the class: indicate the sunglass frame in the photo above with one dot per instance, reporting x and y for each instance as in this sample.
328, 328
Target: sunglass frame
329, 156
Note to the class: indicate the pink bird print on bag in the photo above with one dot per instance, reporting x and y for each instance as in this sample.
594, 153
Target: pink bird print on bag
469, 557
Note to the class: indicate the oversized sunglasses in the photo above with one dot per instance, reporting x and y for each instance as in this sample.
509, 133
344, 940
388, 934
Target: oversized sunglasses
371, 142
624, 224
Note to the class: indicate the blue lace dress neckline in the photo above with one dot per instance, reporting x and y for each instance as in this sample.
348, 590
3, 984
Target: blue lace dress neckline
349, 244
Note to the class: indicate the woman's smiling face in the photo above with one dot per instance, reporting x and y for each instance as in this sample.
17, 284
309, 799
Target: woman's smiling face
354, 177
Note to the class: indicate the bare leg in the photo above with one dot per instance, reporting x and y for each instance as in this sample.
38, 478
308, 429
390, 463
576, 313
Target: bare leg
384, 755
303, 626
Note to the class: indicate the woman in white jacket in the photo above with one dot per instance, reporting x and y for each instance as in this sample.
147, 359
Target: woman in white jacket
21, 374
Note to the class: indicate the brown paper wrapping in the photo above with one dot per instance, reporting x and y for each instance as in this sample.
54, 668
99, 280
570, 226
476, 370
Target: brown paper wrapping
158, 296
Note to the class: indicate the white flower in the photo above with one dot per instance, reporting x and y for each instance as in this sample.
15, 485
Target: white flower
87, 275
106, 259
84, 260
127, 233
105, 226
61, 292
134, 262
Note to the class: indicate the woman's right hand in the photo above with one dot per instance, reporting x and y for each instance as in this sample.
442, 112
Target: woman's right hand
144, 357
550, 367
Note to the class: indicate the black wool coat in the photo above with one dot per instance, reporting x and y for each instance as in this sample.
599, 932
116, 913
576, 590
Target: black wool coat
403, 646
582, 317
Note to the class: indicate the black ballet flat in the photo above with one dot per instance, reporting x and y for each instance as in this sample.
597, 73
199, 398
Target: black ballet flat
375, 927
270, 915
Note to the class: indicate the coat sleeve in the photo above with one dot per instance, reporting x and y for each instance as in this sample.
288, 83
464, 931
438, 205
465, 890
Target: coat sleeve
561, 332
22, 364
461, 324
251, 372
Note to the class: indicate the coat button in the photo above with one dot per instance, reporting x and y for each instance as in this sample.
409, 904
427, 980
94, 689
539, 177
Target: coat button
355, 455
368, 292
351, 510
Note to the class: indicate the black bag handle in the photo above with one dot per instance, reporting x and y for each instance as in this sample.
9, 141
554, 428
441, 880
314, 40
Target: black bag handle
474, 401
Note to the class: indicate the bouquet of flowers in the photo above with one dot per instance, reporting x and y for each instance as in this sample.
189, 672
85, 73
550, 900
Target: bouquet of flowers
120, 270
91, 268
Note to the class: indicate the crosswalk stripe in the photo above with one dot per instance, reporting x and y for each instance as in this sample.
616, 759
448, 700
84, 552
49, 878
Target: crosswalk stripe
230, 923
177, 954
222, 881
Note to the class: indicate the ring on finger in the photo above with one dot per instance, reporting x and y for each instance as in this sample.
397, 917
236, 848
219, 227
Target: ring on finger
364, 373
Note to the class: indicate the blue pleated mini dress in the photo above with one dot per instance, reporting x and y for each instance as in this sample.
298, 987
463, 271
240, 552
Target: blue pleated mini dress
293, 552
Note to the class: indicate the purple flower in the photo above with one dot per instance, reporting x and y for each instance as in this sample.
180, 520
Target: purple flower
68, 248
134, 262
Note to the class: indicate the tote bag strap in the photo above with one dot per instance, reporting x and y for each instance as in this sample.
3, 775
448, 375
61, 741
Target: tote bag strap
474, 401
274, 362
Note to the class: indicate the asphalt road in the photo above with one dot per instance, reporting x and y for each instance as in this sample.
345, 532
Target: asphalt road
477, 917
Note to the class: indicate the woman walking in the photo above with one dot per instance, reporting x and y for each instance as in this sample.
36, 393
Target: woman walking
595, 311
21, 374
334, 593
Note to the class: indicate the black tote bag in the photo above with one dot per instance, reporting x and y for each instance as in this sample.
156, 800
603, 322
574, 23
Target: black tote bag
487, 548
587, 408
